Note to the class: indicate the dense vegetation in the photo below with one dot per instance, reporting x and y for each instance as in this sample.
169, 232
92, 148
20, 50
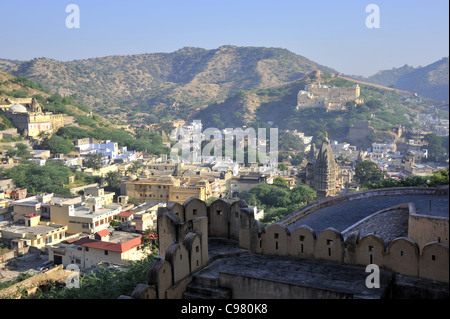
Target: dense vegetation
370, 176
53, 177
277, 200
104, 282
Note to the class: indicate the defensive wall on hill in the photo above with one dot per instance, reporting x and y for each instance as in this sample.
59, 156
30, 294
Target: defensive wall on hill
183, 231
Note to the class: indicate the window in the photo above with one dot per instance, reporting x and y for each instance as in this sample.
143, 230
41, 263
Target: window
302, 238
106, 252
86, 249
370, 248
402, 253
276, 235
194, 211
219, 212
197, 249
433, 257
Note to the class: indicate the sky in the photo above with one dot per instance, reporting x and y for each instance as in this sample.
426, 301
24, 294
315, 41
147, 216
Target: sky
333, 33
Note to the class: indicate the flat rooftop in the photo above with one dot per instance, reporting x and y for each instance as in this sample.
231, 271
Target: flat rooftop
83, 211
343, 215
36, 230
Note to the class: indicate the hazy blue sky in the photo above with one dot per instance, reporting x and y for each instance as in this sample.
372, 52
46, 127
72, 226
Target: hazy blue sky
329, 32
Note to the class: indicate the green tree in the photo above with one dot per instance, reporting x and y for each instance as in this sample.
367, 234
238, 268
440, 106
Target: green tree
41, 179
369, 172
93, 160
113, 181
436, 148
57, 144
440, 178
280, 181
21, 150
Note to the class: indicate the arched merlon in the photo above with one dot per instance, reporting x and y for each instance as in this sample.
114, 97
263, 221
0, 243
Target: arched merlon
434, 262
402, 256
160, 275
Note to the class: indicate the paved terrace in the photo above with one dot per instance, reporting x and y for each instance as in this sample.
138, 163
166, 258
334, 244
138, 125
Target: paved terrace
343, 215
347, 280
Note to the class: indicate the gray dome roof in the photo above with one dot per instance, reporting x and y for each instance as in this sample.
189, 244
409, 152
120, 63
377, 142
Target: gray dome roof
18, 108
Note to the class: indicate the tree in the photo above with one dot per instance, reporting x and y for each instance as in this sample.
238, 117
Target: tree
136, 168
20, 151
440, 178
436, 148
280, 181
369, 172
41, 179
93, 160
278, 202
113, 180
57, 144
302, 194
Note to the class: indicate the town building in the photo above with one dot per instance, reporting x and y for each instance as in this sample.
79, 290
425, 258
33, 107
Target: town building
328, 97
29, 118
246, 181
164, 189
87, 217
33, 232
115, 247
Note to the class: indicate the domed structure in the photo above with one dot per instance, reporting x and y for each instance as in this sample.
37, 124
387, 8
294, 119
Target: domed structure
18, 108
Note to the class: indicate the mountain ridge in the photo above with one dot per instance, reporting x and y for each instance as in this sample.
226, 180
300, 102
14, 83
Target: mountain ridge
181, 80
430, 81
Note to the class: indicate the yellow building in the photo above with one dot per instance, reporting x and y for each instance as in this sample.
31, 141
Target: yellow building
34, 233
28, 117
330, 98
163, 189
103, 171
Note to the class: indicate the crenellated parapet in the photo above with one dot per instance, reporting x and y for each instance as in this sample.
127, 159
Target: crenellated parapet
183, 232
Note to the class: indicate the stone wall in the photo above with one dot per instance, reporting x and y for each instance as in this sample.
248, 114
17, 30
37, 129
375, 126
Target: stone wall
183, 232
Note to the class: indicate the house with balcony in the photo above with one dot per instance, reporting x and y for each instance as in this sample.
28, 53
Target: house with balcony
87, 217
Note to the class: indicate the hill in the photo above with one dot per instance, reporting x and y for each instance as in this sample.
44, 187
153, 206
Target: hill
387, 109
83, 123
165, 83
431, 81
